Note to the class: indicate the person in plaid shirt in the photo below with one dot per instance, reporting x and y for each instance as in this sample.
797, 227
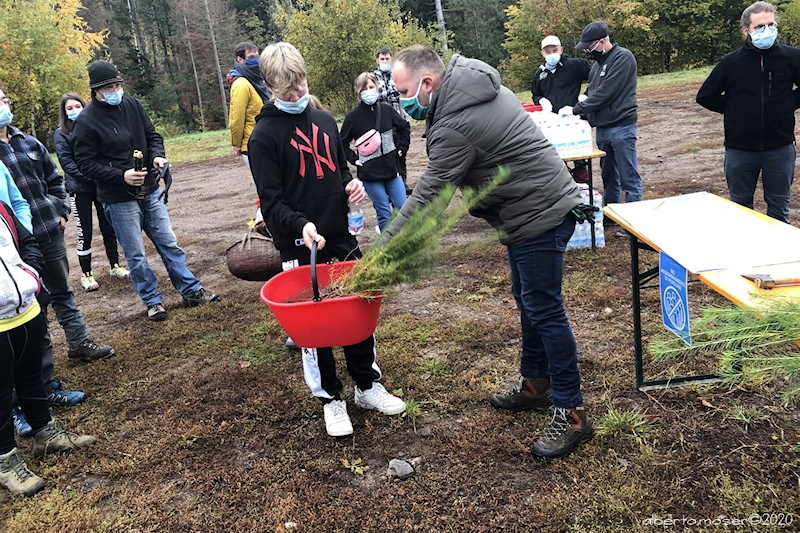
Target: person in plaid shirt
42, 187
387, 93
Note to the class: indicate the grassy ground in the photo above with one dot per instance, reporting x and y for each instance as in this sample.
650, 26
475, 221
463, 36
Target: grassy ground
205, 423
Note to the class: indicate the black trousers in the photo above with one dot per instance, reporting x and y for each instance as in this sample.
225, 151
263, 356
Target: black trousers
319, 365
82, 211
21, 365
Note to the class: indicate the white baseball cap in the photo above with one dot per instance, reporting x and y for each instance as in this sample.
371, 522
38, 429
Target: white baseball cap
550, 40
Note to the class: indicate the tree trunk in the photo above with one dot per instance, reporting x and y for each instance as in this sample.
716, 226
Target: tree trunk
196, 79
136, 26
440, 20
216, 59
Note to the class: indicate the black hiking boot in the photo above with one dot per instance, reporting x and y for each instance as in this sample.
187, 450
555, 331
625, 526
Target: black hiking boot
567, 429
527, 394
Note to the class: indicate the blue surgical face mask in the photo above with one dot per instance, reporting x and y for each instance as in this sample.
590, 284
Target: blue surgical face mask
251, 61
114, 98
293, 108
74, 114
369, 96
765, 37
552, 59
385, 67
413, 107
6, 116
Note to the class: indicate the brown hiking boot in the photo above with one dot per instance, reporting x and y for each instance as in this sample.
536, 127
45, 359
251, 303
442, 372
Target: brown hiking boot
528, 393
55, 438
15, 476
567, 429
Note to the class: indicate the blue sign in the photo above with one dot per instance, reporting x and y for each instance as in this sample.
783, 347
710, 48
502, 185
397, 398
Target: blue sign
674, 297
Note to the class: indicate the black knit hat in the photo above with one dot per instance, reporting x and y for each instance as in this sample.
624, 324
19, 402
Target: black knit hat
103, 73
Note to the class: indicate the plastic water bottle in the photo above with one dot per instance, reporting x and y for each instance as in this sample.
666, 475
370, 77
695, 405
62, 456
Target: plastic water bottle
355, 219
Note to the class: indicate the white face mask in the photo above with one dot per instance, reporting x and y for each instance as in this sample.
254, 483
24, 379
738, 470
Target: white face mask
385, 67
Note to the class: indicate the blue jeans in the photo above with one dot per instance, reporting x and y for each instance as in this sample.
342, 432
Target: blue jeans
381, 192
777, 174
56, 278
548, 345
619, 167
150, 214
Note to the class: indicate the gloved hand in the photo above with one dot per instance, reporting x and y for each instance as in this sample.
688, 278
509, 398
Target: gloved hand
566, 111
584, 212
582, 97
547, 106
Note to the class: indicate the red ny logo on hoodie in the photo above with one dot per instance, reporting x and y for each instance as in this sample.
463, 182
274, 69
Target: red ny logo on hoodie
311, 148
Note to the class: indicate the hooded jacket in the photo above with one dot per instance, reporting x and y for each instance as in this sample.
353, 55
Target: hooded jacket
753, 89
561, 86
104, 138
381, 165
20, 264
611, 94
300, 172
475, 125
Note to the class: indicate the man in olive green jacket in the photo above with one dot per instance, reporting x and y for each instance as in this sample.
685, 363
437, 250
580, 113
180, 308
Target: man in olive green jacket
474, 126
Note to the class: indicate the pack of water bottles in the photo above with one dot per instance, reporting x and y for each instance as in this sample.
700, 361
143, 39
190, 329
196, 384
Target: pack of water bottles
582, 237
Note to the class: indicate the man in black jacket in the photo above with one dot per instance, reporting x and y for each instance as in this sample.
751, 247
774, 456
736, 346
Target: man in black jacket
557, 81
611, 108
106, 137
753, 88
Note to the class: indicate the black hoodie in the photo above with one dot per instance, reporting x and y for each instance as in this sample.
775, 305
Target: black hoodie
300, 171
104, 137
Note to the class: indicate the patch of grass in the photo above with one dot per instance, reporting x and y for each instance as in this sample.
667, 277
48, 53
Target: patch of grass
434, 367
628, 424
264, 354
746, 416
690, 148
682, 77
577, 283
198, 146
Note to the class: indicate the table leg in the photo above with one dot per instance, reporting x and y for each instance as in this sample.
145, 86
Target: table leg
591, 200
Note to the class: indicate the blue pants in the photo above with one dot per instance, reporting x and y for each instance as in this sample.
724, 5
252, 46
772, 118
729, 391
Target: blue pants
777, 174
381, 192
619, 167
548, 345
150, 214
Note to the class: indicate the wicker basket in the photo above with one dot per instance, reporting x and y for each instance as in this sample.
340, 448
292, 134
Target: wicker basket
254, 258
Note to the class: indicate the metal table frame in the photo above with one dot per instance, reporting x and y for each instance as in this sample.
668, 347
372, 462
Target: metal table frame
587, 156
639, 281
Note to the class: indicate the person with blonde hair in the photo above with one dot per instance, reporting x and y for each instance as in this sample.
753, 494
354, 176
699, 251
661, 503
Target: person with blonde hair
378, 164
300, 170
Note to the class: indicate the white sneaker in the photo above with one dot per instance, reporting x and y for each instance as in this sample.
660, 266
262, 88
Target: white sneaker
379, 398
337, 422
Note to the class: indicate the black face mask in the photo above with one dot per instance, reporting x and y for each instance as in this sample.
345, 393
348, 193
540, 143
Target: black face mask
597, 55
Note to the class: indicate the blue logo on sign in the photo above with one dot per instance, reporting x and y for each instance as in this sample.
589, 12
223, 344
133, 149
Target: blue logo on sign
674, 297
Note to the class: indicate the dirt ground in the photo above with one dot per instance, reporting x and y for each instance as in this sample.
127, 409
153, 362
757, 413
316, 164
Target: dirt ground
205, 424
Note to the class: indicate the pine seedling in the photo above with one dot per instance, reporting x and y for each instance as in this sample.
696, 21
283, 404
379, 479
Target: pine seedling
407, 255
754, 345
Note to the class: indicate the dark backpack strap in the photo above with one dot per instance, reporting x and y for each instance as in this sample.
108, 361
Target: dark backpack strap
6, 215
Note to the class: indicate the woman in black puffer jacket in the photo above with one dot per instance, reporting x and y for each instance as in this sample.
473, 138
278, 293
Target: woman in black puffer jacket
83, 194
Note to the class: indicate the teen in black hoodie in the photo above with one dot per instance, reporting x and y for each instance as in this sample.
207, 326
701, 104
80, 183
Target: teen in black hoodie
300, 171
298, 164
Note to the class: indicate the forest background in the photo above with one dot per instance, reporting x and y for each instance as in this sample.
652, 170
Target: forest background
174, 54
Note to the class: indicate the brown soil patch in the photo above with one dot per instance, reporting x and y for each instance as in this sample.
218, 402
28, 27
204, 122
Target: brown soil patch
205, 423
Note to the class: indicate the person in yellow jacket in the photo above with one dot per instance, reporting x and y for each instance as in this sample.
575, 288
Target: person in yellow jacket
248, 95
